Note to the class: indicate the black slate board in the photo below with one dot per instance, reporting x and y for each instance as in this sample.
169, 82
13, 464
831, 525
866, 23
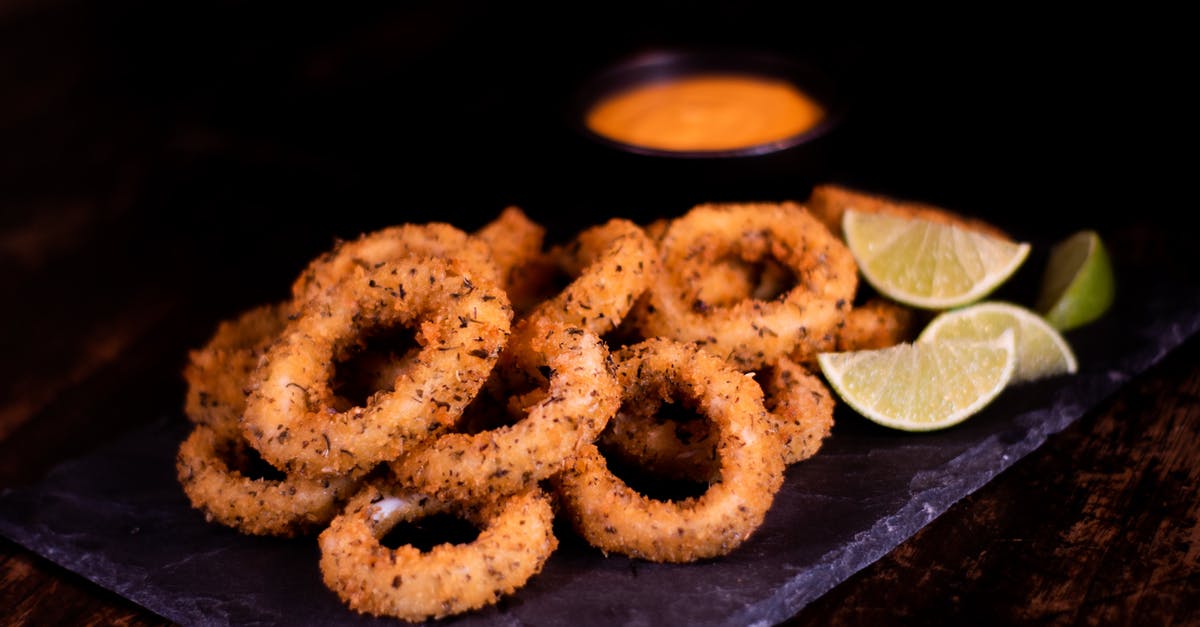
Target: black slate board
118, 518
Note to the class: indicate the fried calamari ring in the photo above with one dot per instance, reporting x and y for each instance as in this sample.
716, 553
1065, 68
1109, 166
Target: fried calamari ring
515, 540
291, 415
216, 375
650, 434
877, 323
513, 238
614, 518
569, 408
724, 282
536, 282
516, 242
433, 239
752, 333
800, 407
212, 469
610, 266
828, 202
799, 413
656, 229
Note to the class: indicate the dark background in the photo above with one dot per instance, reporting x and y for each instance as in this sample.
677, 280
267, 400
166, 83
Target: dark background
164, 165
238, 121
221, 145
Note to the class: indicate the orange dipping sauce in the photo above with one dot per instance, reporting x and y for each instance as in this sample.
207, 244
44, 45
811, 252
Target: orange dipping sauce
709, 112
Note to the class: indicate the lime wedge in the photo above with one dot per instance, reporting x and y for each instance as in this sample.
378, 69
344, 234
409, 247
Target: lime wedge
926, 264
922, 386
1041, 350
1078, 285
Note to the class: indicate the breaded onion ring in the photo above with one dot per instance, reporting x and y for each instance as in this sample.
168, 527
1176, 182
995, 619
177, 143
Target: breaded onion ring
433, 239
828, 202
514, 542
614, 518
291, 415
216, 375
570, 408
210, 466
752, 333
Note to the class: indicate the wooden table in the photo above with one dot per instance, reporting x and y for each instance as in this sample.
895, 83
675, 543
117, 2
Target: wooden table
134, 188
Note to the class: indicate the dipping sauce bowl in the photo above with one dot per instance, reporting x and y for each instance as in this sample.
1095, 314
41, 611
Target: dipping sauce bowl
711, 124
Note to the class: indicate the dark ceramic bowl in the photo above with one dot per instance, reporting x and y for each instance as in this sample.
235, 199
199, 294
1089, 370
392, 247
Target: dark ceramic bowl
661, 65
675, 179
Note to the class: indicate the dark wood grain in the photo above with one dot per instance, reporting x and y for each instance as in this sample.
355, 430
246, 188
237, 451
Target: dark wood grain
160, 168
36, 592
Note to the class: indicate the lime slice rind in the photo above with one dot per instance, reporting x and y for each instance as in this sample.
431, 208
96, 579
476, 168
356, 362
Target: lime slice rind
1078, 284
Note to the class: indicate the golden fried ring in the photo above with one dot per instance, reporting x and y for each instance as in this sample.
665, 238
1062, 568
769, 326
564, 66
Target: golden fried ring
516, 242
800, 407
752, 333
512, 238
877, 323
515, 540
611, 265
799, 413
614, 518
570, 408
642, 438
291, 415
656, 229
724, 282
433, 239
209, 466
216, 374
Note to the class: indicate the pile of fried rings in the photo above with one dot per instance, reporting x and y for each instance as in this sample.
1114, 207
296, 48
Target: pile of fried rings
421, 370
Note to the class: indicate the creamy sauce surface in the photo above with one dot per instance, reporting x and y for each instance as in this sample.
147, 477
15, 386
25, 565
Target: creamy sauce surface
707, 112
